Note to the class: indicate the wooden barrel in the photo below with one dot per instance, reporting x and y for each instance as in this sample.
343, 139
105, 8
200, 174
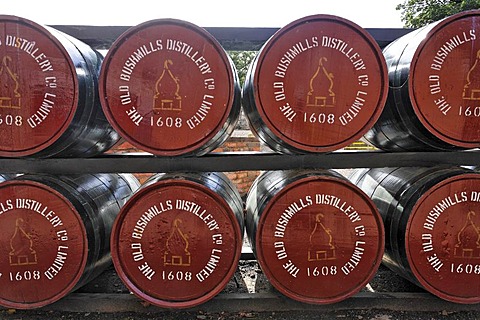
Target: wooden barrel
169, 88
49, 95
55, 234
317, 85
317, 237
177, 242
432, 226
434, 88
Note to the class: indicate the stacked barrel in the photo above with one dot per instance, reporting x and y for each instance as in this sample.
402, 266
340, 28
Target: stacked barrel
431, 226
318, 238
178, 241
55, 229
429, 214
56, 233
49, 94
433, 101
169, 88
317, 85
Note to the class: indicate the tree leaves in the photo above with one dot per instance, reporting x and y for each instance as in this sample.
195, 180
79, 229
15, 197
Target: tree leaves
418, 13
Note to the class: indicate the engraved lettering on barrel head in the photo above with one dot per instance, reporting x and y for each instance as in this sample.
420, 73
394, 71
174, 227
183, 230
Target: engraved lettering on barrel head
448, 46
322, 246
441, 206
177, 259
320, 84
471, 87
292, 52
43, 111
167, 88
467, 246
211, 265
461, 242
345, 48
23, 243
30, 48
136, 56
354, 109
191, 53
38, 207
148, 215
58, 262
12, 96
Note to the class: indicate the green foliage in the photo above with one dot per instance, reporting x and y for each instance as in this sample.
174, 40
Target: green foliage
242, 60
418, 13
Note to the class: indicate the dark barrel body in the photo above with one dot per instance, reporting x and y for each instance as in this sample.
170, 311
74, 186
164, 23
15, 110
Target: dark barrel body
56, 233
169, 88
432, 100
317, 85
317, 237
50, 101
177, 242
428, 219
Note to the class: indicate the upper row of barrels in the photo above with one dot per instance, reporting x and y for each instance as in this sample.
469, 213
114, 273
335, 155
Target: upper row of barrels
169, 88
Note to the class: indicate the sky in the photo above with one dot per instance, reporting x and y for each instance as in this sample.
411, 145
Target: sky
204, 13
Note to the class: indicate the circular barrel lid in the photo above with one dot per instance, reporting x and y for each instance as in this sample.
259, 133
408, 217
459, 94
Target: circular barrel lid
167, 86
443, 239
320, 240
39, 92
445, 82
176, 243
43, 246
320, 83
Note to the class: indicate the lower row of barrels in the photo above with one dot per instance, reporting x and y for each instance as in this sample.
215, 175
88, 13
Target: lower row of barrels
176, 240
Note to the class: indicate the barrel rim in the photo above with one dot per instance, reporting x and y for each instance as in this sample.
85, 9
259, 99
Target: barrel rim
119, 263
81, 268
296, 146
368, 276
418, 275
75, 100
437, 28
144, 145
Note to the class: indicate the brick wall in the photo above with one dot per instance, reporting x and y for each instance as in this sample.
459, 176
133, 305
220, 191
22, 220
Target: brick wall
126, 147
240, 141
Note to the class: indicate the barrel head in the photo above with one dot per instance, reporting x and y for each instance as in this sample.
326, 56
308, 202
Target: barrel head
39, 88
319, 240
167, 87
444, 82
318, 84
443, 239
176, 244
42, 244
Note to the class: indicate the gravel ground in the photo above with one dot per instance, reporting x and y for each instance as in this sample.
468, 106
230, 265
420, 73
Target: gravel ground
301, 315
